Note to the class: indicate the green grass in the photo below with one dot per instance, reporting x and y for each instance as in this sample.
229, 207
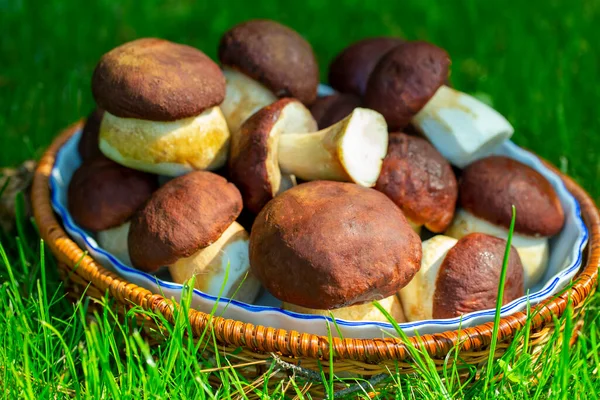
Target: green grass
537, 62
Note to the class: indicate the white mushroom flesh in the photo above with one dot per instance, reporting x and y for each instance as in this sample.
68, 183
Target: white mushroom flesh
417, 296
210, 266
243, 97
114, 241
462, 128
169, 148
351, 150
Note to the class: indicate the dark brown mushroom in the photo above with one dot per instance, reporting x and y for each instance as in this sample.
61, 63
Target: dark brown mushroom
327, 245
461, 276
405, 79
189, 226
350, 70
489, 188
329, 110
88, 143
161, 102
420, 181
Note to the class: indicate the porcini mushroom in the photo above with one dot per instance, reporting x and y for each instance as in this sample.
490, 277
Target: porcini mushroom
461, 276
189, 226
489, 188
420, 181
274, 141
88, 147
161, 102
328, 110
334, 246
102, 198
254, 167
350, 70
408, 86
263, 60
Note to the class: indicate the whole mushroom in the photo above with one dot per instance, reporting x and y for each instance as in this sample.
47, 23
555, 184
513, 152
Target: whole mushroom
489, 188
332, 246
161, 102
350, 70
461, 276
420, 181
189, 225
263, 60
408, 86
275, 141
102, 198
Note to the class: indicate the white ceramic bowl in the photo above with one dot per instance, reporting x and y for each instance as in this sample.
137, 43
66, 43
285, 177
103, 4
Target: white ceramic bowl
565, 260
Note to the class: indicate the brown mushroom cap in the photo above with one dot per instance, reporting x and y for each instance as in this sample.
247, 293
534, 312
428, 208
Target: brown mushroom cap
88, 143
103, 194
420, 181
330, 109
490, 186
254, 168
405, 79
186, 214
274, 55
326, 245
350, 70
470, 273
157, 80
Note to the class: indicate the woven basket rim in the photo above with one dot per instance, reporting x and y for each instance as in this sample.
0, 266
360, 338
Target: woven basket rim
296, 344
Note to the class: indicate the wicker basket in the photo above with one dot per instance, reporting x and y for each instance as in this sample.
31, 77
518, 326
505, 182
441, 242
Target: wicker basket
253, 347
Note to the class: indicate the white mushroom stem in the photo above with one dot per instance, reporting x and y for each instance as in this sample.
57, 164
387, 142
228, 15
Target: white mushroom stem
351, 150
243, 97
211, 263
170, 148
361, 312
114, 241
532, 250
417, 296
462, 128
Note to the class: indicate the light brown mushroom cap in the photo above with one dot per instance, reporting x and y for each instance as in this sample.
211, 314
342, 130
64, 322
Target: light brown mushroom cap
157, 80
186, 214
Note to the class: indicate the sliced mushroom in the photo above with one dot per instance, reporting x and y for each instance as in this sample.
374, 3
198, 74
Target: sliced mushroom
161, 102
275, 141
189, 225
350, 70
487, 190
264, 60
420, 181
408, 86
334, 246
461, 276
102, 198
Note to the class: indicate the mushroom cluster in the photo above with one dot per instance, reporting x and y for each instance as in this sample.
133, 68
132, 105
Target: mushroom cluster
236, 173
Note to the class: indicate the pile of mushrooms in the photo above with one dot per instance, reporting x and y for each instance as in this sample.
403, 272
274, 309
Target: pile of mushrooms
237, 174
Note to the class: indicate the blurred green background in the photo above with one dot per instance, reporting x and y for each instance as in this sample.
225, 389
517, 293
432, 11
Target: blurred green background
536, 61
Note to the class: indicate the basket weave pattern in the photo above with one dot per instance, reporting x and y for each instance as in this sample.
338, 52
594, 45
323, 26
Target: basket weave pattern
365, 357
